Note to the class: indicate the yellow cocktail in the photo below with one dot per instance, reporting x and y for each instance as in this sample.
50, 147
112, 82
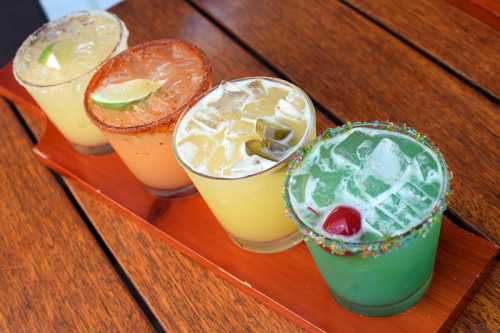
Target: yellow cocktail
56, 63
136, 98
235, 144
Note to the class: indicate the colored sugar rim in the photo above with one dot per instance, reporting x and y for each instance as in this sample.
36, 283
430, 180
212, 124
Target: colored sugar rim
61, 21
369, 248
278, 164
168, 119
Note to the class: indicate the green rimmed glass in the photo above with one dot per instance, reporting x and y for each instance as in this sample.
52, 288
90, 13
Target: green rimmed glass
381, 276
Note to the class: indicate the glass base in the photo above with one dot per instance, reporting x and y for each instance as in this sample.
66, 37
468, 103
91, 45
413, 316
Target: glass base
96, 150
385, 310
272, 246
180, 192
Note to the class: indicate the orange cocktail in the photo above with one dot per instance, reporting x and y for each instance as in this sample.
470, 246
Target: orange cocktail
136, 98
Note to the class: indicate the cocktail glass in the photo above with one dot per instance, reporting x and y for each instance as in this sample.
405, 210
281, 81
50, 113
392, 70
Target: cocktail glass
141, 133
379, 262
244, 191
55, 64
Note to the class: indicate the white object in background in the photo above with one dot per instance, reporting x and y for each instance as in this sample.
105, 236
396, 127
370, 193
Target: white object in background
55, 9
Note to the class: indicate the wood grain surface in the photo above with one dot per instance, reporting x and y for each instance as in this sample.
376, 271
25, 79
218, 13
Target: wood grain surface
157, 261
54, 277
463, 43
482, 314
460, 261
359, 72
166, 290
184, 296
487, 11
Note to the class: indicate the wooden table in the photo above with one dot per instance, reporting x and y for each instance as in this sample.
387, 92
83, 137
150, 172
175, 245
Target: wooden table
69, 262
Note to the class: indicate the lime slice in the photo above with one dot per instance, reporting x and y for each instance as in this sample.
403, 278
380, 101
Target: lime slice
57, 54
270, 150
270, 131
116, 96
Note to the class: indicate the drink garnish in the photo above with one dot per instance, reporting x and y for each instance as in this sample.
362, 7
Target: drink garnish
343, 220
312, 210
119, 95
267, 149
56, 54
269, 131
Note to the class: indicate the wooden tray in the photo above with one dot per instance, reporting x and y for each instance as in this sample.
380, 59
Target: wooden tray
288, 282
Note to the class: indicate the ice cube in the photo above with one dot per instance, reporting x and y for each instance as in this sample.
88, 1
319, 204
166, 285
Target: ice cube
217, 161
286, 110
426, 176
427, 165
431, 189
392, 204
194, 128
195, 149
229, 149
188, 151
264, 106
407, 216
348, 191
231, 102
184, 63
177, 52
415, 197
257, 89
298, 185
238, 128
348, 148
402, 213
364, 149
208, 118
295, 98
324, 159
374, 186
387, 162
323, 193
382, 222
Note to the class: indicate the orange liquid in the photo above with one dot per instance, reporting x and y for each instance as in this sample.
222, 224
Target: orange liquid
141, 133
150, 158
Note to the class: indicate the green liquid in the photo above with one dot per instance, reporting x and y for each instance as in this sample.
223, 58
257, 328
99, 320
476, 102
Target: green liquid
381, 285
397, 184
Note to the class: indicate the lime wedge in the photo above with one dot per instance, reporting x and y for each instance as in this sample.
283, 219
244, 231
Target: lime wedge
116, 96
57, 54
270, 150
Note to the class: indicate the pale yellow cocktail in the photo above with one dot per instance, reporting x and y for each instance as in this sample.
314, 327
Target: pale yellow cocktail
235, 144
56, 63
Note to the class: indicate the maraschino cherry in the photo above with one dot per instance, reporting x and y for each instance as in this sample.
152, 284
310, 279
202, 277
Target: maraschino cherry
343, 221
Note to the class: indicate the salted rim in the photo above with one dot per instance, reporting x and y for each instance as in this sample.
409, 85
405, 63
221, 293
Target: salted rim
273, 167
49, 25
439, 205
107, 67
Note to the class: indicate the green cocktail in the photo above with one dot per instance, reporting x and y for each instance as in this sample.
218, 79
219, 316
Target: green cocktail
369, 198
